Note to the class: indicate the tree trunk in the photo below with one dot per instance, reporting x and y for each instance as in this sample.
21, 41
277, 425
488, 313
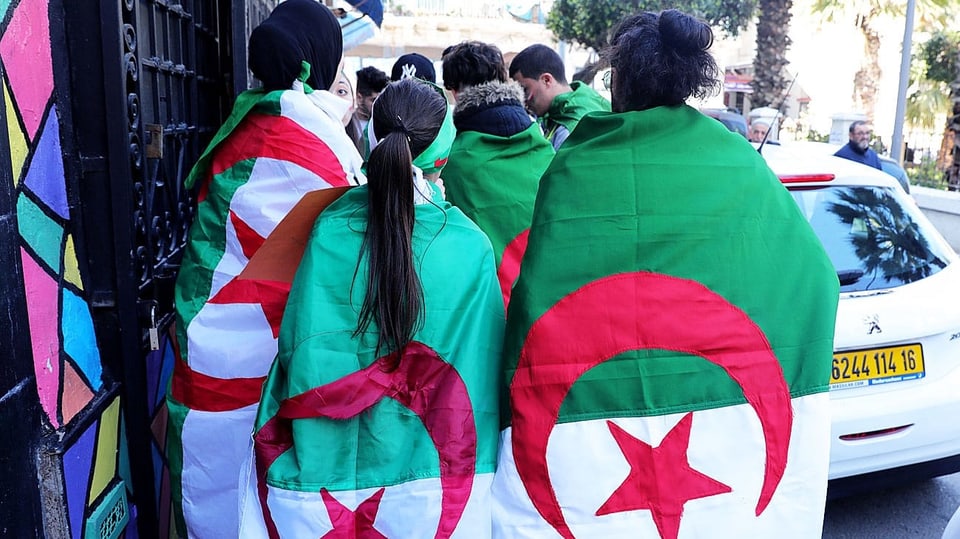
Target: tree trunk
773, 25
865, 82
953, 126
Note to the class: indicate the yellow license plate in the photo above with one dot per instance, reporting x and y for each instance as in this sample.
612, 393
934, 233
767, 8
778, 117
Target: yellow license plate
855, 368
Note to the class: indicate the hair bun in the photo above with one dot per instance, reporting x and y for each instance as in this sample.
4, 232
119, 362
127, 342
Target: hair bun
684, 33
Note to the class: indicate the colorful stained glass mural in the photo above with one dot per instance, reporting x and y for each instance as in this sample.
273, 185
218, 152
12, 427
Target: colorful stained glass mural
93, 224
65, 354
66, 359
159, 370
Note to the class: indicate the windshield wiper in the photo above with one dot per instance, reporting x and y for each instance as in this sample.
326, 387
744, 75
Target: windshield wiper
850, 276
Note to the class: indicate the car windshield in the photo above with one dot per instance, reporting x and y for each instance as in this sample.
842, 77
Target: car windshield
872, 235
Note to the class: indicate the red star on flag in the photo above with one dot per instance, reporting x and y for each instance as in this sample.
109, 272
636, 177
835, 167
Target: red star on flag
660, 478
349, 524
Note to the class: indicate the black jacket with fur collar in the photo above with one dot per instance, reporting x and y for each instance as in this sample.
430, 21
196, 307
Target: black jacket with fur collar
494, 108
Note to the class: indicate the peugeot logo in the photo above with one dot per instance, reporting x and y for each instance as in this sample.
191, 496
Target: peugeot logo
873, 323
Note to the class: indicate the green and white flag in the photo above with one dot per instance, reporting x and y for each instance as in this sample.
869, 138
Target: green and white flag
494, 181
347, 447
668, 343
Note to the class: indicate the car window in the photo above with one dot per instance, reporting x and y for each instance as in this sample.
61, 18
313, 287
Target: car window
872, 235
892, 168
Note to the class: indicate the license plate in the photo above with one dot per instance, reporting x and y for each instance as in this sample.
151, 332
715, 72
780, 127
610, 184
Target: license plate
857, 368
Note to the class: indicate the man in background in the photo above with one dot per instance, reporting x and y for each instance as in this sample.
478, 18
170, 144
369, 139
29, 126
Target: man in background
858, 149
370, 82
559, 105
498, 155
415, 66
758, 130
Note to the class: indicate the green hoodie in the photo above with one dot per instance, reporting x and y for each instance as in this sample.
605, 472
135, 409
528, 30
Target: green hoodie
567, 108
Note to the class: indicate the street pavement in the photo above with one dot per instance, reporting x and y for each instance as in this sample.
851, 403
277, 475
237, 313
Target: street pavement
918, 510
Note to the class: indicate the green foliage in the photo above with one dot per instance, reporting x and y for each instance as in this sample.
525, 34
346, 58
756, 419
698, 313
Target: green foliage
590, 22
927, 174
926, 98
939, 54
815, 136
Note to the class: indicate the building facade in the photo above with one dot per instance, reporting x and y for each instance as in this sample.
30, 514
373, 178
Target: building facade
106, 106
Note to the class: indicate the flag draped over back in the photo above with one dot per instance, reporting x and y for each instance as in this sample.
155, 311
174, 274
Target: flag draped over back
275, 148
668, 343
494, 181
567, 108
346, 447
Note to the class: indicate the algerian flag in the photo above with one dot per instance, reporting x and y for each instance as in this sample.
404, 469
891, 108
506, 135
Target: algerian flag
346, 447
568, 108
668, 343
494, 181
275, 148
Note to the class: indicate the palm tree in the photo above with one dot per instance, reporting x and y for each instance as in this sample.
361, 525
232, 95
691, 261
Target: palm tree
926, 98
863, 13
941, 70
773, 26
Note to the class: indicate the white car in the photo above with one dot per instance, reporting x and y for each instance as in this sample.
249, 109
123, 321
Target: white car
888, 165
895, 387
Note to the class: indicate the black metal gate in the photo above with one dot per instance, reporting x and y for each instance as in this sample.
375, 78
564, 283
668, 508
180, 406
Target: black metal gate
151, 81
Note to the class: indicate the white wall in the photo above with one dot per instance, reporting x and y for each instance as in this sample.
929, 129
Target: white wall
943, 210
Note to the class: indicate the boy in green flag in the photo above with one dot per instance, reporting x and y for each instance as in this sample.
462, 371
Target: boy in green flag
670, 336
498, 155
558, 105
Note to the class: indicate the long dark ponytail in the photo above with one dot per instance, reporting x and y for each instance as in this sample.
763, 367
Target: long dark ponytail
407, 115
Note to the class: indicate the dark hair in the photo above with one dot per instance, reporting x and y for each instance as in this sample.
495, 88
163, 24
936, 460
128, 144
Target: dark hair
296, 31
856, 124
407, 116
472, 63
371, 80
536, 60
661, 59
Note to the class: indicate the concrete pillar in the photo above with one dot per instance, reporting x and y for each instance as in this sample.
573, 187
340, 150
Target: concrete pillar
840, 126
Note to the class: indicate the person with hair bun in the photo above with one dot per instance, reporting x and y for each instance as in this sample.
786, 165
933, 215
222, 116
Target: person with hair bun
661, 60
380, 415
281, 141
669, 340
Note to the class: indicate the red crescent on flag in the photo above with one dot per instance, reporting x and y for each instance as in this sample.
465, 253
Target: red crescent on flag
635, 311
509, 268
424, 383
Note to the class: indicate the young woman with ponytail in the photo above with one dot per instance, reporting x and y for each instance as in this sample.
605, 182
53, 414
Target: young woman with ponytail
380, 415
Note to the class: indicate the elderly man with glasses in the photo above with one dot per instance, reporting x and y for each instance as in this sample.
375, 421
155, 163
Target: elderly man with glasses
858, 149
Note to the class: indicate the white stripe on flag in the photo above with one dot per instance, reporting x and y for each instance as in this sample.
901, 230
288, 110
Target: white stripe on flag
232, 261
274, 187
310, 112
215, 448
409, 510
232, 340
586, 466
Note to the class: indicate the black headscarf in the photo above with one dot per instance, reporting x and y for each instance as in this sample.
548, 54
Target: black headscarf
295, 31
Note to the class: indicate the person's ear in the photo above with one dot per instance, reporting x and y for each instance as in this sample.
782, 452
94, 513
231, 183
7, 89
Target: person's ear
547, 80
